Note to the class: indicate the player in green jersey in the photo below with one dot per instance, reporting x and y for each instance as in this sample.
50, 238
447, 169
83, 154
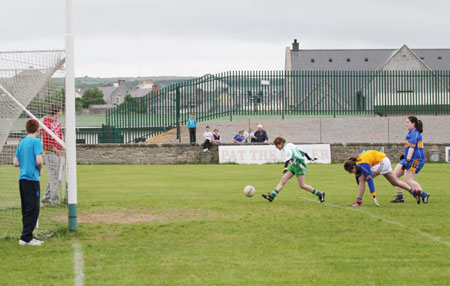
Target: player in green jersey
296, 158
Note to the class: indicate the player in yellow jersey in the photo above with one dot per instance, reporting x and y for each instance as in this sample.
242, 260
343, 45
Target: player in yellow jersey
367, 166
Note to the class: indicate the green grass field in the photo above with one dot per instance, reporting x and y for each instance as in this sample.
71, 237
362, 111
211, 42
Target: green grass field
192, 225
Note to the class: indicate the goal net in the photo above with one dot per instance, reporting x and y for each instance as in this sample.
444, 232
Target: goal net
32, 86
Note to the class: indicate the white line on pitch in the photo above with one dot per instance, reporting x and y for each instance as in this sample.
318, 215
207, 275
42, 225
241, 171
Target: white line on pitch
357, 209
78, 264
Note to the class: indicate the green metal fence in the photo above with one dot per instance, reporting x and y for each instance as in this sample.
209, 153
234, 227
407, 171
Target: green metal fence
280, 93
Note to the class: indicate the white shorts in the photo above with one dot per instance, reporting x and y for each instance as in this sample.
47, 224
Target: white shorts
382, 168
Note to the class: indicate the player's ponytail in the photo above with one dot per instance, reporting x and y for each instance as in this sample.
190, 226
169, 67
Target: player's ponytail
417, 123
350, 163
419, 126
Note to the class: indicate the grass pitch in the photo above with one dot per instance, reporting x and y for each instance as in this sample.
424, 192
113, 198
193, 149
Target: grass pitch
192, 225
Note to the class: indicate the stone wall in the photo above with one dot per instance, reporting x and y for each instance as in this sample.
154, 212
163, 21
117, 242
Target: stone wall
153, 154
339, 152
193, 154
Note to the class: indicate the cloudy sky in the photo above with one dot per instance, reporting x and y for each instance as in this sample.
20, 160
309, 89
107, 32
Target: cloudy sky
195, 37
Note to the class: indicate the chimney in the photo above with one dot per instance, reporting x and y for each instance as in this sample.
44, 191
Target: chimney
121, 81
295, 46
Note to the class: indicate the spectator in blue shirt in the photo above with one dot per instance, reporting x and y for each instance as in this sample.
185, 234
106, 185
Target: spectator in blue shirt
28, 157
239, 138
192, 126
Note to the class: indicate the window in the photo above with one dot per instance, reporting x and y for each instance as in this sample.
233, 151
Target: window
439, 58
348, 59
312, 60
330, 60
366, 59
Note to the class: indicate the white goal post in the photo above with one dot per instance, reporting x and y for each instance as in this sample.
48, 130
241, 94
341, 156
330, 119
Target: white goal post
32, 85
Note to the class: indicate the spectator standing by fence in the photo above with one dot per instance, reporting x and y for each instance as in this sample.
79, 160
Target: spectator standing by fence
260, 135
53, 154
192, 126
249, 135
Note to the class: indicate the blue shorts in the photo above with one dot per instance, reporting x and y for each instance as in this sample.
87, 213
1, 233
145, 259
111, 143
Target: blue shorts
415, 166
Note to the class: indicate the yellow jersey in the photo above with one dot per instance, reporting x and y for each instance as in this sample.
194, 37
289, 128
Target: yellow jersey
371, 157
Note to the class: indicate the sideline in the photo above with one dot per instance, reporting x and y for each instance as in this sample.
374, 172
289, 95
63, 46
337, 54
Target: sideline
78, 264
356, 209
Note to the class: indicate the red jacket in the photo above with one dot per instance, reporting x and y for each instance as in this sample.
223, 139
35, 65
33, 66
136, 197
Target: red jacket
48, 141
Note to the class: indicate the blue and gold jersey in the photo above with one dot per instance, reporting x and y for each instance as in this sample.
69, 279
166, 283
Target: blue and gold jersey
414, 140
364, 163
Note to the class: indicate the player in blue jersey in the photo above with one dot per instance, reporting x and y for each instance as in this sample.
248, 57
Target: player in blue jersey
412, 161
367, 166
297, 160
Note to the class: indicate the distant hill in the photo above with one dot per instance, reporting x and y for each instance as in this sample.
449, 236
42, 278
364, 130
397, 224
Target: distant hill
162, 81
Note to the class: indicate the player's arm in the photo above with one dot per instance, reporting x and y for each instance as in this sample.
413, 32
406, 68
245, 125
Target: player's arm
287, 160
408, 158
16, 162
367, 174
357, 179
286, 164
310, 158
307, 155
412, 143
39, 163
361, 180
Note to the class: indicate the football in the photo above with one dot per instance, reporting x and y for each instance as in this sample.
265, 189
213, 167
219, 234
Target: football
249, 191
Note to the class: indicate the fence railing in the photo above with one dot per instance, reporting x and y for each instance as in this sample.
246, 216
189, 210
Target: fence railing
281, 93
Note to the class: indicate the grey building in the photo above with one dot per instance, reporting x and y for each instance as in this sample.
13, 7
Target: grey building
367, 79
403, 58
115, 94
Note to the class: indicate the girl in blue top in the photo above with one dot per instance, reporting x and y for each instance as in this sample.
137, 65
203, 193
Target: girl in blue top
239, 138
412, 161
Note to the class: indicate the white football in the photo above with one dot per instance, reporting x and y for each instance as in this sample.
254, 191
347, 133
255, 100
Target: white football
249, 191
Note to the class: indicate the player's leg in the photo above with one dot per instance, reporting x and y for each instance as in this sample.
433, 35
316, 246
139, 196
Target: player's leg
304, 186
395, 181
46, 197
53, 172
29, 191
270, 197
398, 173
410, 180
410, 176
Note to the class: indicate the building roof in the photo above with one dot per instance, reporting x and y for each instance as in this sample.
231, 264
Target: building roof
362, 59
140, 92
107, 91
102, 106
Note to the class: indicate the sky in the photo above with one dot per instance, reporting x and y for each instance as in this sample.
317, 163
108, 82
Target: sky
131, 38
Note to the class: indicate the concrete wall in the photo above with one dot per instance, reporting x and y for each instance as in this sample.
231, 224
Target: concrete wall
193, 154
362, 130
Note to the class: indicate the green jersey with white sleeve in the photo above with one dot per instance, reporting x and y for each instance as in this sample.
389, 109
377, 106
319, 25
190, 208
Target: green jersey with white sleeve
296, 158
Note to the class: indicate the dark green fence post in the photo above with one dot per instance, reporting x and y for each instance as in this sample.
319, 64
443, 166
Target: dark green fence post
178, 112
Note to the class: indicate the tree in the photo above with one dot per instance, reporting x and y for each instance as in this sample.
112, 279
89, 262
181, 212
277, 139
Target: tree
78, 104
92, 96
